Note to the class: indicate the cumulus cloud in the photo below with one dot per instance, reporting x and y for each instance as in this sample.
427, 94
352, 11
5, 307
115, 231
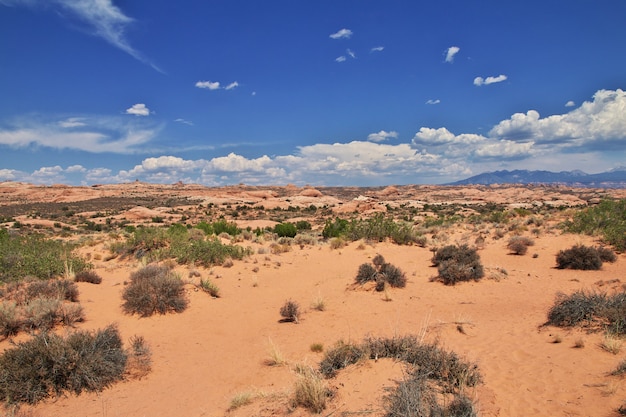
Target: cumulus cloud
208, 85
570, 104
138, 109
594, 124
431, 101
478, 81
451, 52
382, 136
377, 49
102, 18
341, 34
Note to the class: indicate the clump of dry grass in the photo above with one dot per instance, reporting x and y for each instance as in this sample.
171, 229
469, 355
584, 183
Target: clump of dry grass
290, 311
311, 390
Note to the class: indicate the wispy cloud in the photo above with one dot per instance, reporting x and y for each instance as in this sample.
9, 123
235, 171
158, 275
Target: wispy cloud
232, 85
351, 53
341, 34
138, 109
451, 52
92, 134
478, 81
216, 85
183, 121
377, 49
102, 17
341, 58
382, 136
431, 101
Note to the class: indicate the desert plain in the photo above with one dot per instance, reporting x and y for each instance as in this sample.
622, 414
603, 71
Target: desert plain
223, 348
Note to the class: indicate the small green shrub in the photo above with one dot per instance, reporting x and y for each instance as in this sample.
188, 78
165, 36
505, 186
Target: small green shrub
209, 287
579, 257
290, 311
458, 263
89, 276
154, 289
285, 230
607, 219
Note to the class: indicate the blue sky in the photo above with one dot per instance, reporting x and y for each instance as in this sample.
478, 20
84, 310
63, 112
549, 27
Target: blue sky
320, 92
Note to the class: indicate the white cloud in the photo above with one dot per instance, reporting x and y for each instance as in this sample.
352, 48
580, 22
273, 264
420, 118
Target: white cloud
427, 135
76, 168
382, 136
478, 81
451, 52
183, 121
350, 53
341, 34
570, 104
377, 49
232, 85
208, 85
340, 58
431, 101
103, 18
72, 122
96, 135
594, 124
138, 109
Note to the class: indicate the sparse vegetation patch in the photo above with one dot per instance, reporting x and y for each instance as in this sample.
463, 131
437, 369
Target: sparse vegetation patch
154, 289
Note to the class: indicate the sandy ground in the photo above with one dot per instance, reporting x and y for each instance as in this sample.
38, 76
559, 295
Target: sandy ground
218, 348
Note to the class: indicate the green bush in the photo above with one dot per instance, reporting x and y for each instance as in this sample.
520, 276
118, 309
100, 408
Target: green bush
36, 256
154, 289
607, 219
49, 364
285, 230
336, 228
458, 263
582, 257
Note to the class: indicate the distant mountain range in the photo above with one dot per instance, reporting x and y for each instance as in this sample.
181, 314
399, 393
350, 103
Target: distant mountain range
615, 178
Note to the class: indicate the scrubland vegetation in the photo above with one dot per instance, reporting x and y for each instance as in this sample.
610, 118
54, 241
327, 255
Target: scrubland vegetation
39, 272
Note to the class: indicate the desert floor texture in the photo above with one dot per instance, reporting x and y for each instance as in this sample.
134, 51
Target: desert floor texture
219, 348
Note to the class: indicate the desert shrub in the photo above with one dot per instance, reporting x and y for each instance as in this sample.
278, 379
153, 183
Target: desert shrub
37, 256
154, 289
607, 219
431, 373
60, 289
290, 311
381, 272
591, 309
303, 225
41, 313
579, 307
206, 252
49, 364
311, 391
89, 276
10, 322
519, 244
340, 356
139, 362
458, 263
285, 230
579, 257
606, 254
223, 226
367, 272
